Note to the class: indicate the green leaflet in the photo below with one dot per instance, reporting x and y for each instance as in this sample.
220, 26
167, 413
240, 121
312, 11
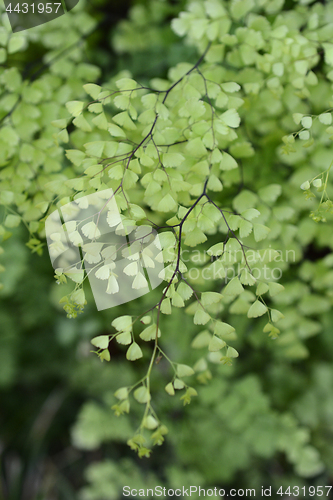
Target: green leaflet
195, 237
201, 340
142, 395
12, 221
223, 329
126, 84
102, 341
74, 107
134, 352
201, 152
201, 317
216, 344
260, 231
92, 89
257, 309
184, 370
233, 288
122, 323
149, 333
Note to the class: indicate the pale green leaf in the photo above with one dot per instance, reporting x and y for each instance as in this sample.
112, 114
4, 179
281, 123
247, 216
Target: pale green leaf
121, 393
201, 317
269, 194
184, 291
81, 123
208, 298
245, 228
92, 89
275, 288
230, 87
216, 250
201, 340
79, 297
232, 353
16, 43
134, 352
12, 220
325, 118
170, 389
305, 186
257, 309
306, 121
124, 338
141, 394
172, 159
102, 341
216, 344
262, 288
123, 323
260, 231
126, 84
74, 107
115, 131
234, 287
150, 422
178, 384
95, 148
231, 118
195, 237
304, 135
223, 329
184, 370
276, 315
104, 355
149, 333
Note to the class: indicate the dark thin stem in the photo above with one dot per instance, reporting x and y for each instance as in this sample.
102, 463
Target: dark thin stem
186, 74
231, 231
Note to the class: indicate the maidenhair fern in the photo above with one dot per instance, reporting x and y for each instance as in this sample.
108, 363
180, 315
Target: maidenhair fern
209, 158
